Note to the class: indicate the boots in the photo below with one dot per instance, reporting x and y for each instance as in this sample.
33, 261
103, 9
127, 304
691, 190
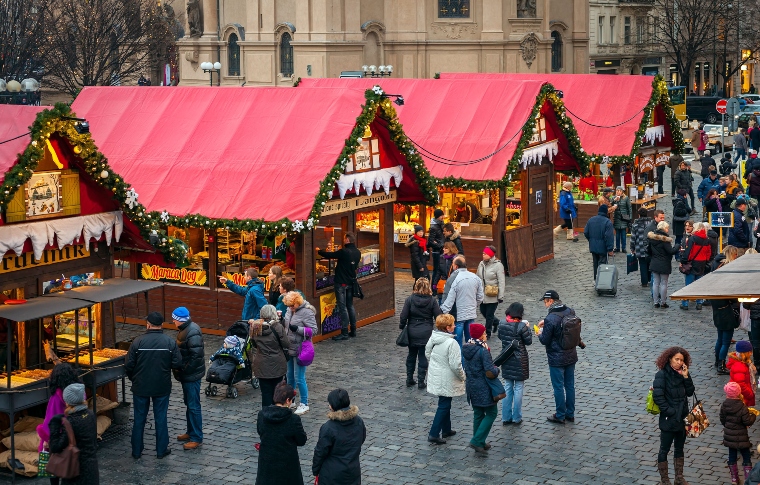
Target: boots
747, 470
717, 362
722, 371
421, 374
410, 380
571, 236
734, 471
662, 467
680, 480
558, 230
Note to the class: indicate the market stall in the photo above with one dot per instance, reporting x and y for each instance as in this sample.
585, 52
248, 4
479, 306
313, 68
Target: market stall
739, 279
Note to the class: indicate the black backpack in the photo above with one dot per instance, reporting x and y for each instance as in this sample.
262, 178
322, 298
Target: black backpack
570, 331
679, 209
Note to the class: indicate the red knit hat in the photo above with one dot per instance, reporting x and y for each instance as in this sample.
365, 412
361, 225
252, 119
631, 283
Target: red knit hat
477, 330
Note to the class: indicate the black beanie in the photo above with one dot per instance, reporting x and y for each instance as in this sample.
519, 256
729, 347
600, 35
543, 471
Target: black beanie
516, 310
338, 399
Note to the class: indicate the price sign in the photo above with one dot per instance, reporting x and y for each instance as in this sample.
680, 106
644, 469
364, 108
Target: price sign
722, 219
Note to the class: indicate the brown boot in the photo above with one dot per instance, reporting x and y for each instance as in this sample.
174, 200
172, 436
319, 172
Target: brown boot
183, 437
662, 467
191, 445
680, 480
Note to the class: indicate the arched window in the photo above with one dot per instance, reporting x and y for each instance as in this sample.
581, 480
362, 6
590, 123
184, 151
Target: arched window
556, 51
286, 55
233, 56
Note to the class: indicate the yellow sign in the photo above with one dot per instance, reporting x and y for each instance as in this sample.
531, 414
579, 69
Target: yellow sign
330, 320
344, 205
173, 275
51, 256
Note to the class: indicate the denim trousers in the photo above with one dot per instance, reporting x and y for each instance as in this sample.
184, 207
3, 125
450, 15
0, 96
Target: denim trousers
462, 329
297, 378
563, 383
690, 278
511, 406
740, 153
644, 270
723, 342
754, 338
746, 457
442, 419
483, 418
344, 300
140, 406
191, 396
416, 356
660, 287
668, 438
436, 272
620, 239
488, 310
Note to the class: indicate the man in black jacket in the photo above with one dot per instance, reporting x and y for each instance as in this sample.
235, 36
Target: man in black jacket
435, 246
190, 343
150, 359
345, 273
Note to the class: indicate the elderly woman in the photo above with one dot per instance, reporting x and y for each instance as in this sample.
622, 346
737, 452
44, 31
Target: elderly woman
271, 342
84, 425
281, 434
622, 218
301, 322
419, 313
661, 251
567, 212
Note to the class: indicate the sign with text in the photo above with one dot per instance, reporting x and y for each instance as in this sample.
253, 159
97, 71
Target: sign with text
722, 219
328, 312
185, 276
51, 256
357, 203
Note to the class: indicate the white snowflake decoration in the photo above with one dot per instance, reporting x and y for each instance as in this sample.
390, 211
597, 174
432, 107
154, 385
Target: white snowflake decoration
297, 226
310, 223
165, 217
377, 90
131, 200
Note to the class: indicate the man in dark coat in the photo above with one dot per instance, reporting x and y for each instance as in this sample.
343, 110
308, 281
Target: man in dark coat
705, 162
348, 259
451, 234
190, 343
675, 161
738, 234
601, 237
435, 246
336, 456
150, 359
281, 433
685, 180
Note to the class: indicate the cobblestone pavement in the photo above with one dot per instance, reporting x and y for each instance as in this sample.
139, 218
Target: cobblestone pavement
613, 440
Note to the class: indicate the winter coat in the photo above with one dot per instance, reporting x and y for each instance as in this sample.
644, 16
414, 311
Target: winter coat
281, 433
466, 292
671, 393
599, 233
491, 272
419, 313
336, 456
567, 205
706, 185
754, 309
305, 316
347, 259
190, 343
624, 210
435, 236
639, 240
740, 141
683, 179
698, 250
739, 373
753, 186
713, 205
444, 265
478, 362
738, 235
516, 368
724, 317
735, 418
706, 161
55, 406
551, 334
253, 292
447, 290
445, 375
681, 214
712, 236
85, 427
150, 359
661, 251
457, 240
269, 360
418, 260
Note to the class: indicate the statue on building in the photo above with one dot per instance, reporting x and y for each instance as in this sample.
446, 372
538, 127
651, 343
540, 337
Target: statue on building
526, 9
195, 18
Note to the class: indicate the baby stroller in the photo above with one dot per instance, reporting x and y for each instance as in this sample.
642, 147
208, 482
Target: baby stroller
224, 369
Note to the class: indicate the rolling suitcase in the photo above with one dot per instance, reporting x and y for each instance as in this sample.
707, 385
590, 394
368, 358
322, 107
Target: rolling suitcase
606, 279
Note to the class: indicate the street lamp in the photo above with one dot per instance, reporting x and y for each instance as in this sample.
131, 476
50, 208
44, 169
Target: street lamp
211, 68
374, 71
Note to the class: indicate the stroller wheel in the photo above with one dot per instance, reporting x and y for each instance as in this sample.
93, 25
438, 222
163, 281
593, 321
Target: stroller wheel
208, 393
255, 383
214, 391
229, 392
234, 392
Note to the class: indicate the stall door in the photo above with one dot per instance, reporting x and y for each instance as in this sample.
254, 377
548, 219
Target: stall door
540, 209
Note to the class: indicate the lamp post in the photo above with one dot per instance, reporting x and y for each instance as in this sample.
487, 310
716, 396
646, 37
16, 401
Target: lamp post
374, 71
211, 69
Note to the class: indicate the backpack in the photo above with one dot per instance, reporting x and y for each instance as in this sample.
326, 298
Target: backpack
570, 331
705, 139
679, 210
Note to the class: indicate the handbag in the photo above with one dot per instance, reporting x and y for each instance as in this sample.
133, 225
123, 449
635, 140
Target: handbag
306, 355
685, 268
356, 290
652, 407
696, 421
506, 353
631, 264
497, 389
492, 290
66, 463
42, 462
441, 285
403, 338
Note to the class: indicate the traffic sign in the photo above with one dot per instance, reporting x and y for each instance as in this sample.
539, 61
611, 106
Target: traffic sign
722, 219
720, 106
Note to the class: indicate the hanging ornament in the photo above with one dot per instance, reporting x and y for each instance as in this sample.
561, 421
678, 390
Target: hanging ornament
131, 199
77, 149
104, 174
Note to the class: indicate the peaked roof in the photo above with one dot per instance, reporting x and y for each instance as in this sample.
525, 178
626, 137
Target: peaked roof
15, 121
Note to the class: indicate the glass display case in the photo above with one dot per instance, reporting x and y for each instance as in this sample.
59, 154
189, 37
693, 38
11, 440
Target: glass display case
471, 212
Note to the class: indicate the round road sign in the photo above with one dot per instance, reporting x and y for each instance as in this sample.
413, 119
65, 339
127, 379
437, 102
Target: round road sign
720, 106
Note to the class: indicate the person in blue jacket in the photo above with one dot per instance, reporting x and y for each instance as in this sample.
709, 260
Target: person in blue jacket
711, 182
738, 235
253, 291
567, 211
601, 237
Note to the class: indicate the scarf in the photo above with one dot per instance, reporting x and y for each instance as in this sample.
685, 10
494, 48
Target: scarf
752, 373
75, 409
422, 241
477, 341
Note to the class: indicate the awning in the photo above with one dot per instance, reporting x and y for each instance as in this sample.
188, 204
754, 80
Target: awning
112, 289
40, 307
738, 279
15, 121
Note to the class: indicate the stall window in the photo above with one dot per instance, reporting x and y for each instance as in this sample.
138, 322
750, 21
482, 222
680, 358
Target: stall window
368, 242
471, 212
513, 210
405, 217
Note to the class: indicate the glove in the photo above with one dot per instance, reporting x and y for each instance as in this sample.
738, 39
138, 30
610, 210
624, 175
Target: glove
501, 301
293, 328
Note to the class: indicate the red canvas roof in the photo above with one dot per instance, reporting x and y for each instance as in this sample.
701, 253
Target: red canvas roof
15, 120
460, 120
606, 110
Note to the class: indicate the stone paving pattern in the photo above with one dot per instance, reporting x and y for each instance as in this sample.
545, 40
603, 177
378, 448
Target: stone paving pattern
612, 441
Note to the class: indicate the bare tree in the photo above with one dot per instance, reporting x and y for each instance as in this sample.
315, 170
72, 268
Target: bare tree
735, 33
21, 31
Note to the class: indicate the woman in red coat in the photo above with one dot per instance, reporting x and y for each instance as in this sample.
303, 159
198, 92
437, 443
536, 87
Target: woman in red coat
742, 370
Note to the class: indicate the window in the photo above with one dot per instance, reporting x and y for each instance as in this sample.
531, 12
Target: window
233, 56
600, 32
640, 30
613, 39
627, 30
556, 51
453, 8
286, 56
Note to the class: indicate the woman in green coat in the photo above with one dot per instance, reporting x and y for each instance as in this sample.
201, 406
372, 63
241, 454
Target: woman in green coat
622, 217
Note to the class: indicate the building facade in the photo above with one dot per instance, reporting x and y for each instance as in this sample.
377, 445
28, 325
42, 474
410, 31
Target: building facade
274, 42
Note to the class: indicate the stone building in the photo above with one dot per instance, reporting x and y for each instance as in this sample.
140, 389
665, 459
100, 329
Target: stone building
274, 42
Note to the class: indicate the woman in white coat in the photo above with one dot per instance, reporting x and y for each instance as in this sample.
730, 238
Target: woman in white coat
445, 377
491, 273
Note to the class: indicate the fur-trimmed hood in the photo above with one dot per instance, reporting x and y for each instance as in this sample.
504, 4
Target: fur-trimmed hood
454, 235
411, 242
344, 415
659, 237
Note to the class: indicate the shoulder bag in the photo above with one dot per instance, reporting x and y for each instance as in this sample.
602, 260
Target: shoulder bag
279, 342
652, 407
441, 285
356, 289
66, 463
306, 355
489, 290
685, 268
508, 351
403, 338
696, 421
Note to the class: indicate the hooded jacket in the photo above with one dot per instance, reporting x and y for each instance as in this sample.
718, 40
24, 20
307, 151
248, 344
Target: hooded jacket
253, 292
698, 250
190, 343
445, 375
491, 272
671, 392
281, 434
419, 313
269, 360
457, 240
466, 292
566, 205
639, 241
599, 233
551, 334
661, 251
738, 234
740, 374
477, 362
735, 418
516, 368
150, 359
336, 456
435, 236
418, 260
305, 316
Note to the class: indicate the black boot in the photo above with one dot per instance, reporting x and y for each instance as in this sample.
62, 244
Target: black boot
421, 375
343, 336
717, 362
722, 371
410, 380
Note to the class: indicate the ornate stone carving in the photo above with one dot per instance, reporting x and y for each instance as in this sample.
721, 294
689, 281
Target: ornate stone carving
526, 9
529, 48
195, 18
453, 30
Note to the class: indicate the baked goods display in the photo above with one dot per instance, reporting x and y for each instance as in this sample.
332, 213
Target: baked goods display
23, 377
368, 221
98, 356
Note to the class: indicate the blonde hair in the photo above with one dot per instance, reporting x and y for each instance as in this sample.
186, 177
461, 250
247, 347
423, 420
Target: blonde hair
745, 357
750, 251
663, 226
443, 321
567, 185
292, 299
731, 253
422, 286
698, 226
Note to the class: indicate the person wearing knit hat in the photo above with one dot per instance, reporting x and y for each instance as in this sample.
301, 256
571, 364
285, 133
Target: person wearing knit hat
732, 390
736, 418
231, 347
84, 426
74, 397
435, 242
601, 237
567, 212
491, 273
418, 253
191, 346
741, 369
515, 370
484, 390
336, 456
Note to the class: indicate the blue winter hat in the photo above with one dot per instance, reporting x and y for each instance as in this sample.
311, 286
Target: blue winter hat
603, 209
743, 346
181, 314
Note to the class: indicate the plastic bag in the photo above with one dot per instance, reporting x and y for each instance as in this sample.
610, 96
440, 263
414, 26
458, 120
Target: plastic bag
652, 407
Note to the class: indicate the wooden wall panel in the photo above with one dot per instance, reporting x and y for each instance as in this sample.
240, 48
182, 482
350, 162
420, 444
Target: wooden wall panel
520, 250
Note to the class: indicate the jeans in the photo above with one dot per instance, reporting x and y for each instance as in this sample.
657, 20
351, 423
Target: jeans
267, 390
488, 310
740, 153
482, 421
416, 355
296, 377
442, 419
644, 270
754, 338
667, 438
462, 329
660, 179
436, 272
563, 383
620, 239
344, 299
723, 342
140, 408
598, 259
511, 407
660, 288
191, 396
746, 458
690, 278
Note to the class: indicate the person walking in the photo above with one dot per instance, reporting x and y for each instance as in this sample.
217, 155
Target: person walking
348, 259
725, 319
452, 235
515, 370
622, 218
671, 389
708, 183
681, 214
661, 251
697, 252
696, 142
640, 244
445, 377
740, 145
60, 378
281, 433
253, 292
301, 322
562, 360
738, 234
478, 367
336, 456
418, 253
491, 273
684, 179
600, 235
742, 371
150, 361
674, 161
269, 337
450, 252
706, 161
419, 313
567, 212
736, 419
435, 244
190, 343
84, 426
466, 292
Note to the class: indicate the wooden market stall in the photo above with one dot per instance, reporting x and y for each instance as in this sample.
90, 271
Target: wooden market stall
739, 279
